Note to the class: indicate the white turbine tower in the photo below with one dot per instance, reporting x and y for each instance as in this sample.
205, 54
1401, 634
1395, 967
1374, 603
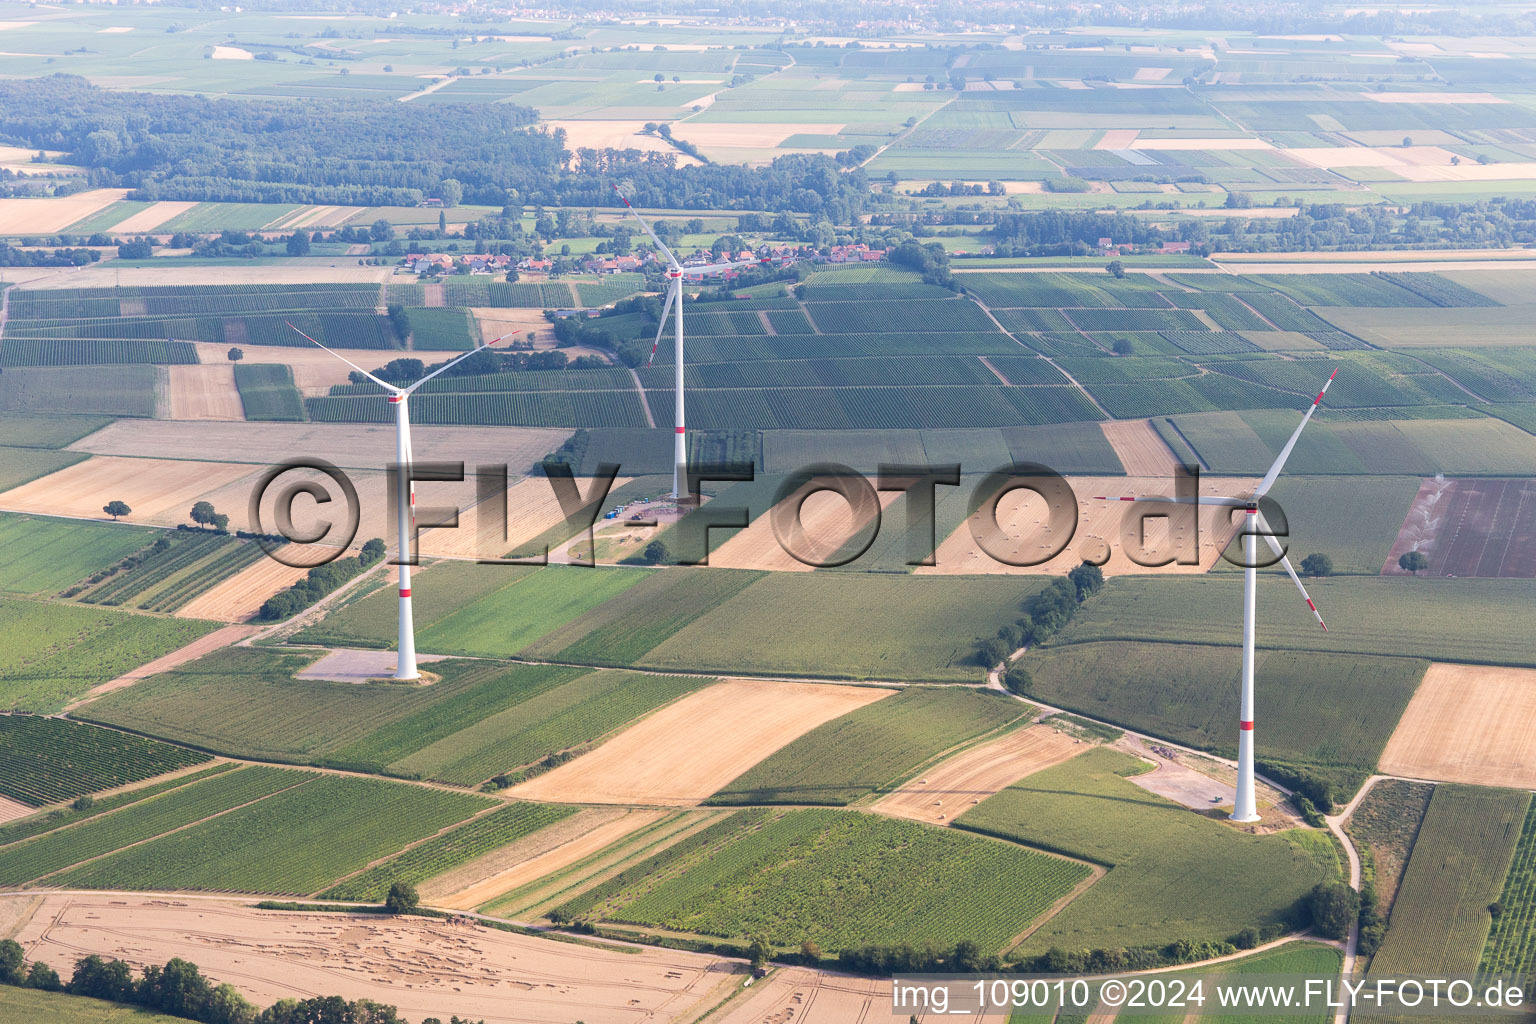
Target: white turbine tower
674, 300
1245, 807
405, 506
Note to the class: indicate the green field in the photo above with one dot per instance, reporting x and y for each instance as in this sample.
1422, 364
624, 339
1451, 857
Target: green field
39, 555
873, 747
441, 853
296, 841
127, 390
51, 653
21, 465
1317, 708
1395, 616
1511, 947
46, 821
47, 429
849, 625
482, 718
1353, 520
267, 391
1383, 826
1440, 920
439, 329
1164, 861
844, 880
144, 819
483, 610
47, 760
29, 1005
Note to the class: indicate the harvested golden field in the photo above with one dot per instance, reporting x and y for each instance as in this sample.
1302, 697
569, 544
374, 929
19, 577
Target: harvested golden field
1140, 449
159, 491
951, 787
827, 522
423, 967
151, 217
675, 757
203, 392
1468, 723
240, 597
54, 214
1024, 519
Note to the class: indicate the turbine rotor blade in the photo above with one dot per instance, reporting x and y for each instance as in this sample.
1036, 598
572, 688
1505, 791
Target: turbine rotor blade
1285, 453
381, 383
668, 252
1165, 500
450, 364
673, 296
1274, 545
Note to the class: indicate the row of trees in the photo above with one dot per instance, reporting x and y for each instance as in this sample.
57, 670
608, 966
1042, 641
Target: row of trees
180, 990
318, 582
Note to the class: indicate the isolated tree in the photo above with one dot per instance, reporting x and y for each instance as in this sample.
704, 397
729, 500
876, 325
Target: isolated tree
810, 950
1116, 270
1407, 141
83, 803
372, 551
760, 951
1317, 565
203, 513
220, 522
659, 77
1018, 680
381, 230
235, 355
451, 191
402, 898
512, 276
1412, 561
298, 243
1122, 347
442, 221
1334, 906
116, 508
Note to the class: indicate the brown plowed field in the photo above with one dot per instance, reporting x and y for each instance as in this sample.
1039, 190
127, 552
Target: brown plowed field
204, 393
1469, 527
423, 967
1025, 521
948, 789
1468, 723
686, 751
10, 810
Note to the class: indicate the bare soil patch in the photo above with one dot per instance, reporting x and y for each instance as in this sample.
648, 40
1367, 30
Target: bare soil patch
1470, 527
676, 756
10, 810
1468, 723
749, 136
599, 827
1024, 519
950, 788
423, 967
204, 392
359, 666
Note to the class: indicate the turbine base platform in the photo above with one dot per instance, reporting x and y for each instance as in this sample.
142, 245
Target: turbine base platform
1245, 821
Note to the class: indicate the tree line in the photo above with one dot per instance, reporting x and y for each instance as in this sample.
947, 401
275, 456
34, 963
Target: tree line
377, 152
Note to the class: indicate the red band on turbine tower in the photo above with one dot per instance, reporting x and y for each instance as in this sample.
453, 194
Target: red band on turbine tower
1245, 726
406, 592
680, 430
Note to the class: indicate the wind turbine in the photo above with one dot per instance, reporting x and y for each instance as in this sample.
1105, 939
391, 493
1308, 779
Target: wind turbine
1244, 806
673, 300
405, 507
